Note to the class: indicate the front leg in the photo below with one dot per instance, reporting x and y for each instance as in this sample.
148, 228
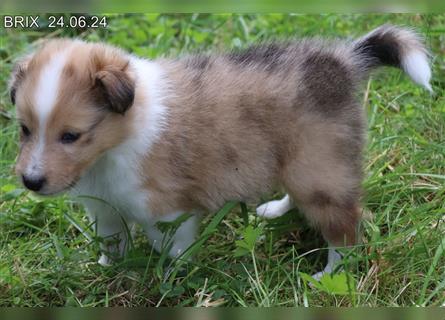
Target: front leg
183, 238
112, 229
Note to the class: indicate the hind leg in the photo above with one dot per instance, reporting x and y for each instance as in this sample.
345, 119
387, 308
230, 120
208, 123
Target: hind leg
338, 221
337, 217
324, 181
333, 258
276, 208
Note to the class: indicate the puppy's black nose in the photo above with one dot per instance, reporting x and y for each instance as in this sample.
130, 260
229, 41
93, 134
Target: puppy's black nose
33, 183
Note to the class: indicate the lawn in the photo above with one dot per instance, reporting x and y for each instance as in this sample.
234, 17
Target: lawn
48, 249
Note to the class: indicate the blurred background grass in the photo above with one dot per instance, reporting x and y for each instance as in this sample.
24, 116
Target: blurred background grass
45, 259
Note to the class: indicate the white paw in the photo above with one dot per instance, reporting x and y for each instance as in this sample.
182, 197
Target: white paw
104, 261
274, 209
317, 276
333, 258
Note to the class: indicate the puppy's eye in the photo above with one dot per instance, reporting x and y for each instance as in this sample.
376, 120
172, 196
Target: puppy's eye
25, 130
69, 137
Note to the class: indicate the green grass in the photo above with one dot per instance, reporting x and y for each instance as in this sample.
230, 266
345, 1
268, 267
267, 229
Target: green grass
241, 260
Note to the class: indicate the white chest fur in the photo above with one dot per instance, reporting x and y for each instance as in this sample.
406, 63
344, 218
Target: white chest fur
113, 184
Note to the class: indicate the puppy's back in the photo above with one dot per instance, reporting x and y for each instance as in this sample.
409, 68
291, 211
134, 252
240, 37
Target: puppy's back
237, 120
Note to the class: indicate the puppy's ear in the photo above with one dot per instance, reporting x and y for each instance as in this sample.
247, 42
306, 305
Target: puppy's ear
17, 76
116, 88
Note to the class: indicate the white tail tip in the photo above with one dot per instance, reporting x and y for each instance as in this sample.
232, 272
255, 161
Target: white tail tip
415, 63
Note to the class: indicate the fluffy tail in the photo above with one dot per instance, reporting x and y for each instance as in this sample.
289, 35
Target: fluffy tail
398, 47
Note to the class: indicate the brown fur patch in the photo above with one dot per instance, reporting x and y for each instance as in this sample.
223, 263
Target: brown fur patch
321, 198
327, 82
270, 56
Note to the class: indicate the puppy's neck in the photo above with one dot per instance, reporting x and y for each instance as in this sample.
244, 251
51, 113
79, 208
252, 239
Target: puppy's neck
146, 119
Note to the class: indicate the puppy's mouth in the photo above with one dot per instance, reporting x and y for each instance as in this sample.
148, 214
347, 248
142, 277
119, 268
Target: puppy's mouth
47, 191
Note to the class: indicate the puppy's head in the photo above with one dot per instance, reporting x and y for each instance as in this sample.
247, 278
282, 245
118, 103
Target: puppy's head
73, 102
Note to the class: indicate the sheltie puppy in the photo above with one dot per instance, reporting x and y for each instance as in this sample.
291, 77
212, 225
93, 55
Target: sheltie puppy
149, 140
